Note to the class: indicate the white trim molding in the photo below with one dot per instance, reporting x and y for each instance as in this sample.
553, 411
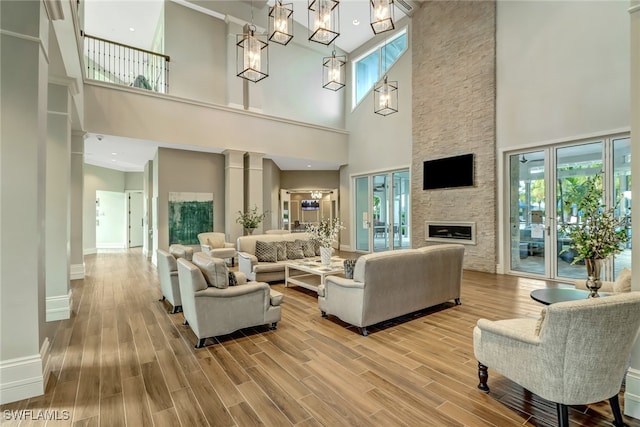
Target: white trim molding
632, 393
59, 307
22, 377
76, 271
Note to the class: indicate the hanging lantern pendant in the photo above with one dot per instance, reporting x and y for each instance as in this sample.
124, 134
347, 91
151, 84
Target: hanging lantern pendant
281, 23
333, 72
386, 97
252, 56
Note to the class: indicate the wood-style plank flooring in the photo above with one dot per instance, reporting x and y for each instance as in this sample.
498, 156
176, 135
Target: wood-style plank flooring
122, 360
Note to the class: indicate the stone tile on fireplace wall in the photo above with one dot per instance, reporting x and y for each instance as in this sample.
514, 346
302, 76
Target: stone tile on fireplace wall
454, 89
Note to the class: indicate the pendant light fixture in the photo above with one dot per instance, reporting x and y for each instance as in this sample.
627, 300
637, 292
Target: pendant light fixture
252, 53
385, 94
386, 97
333, 72
281, 23
381, 15
324, 25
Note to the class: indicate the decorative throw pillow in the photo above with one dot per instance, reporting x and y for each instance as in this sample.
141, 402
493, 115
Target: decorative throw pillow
308, 248
294, 250
266, 251
281, 250
232, 279
623, 281
214, 270
543, 314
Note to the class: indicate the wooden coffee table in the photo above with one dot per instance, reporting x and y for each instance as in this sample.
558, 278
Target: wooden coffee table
552, 295
313, 274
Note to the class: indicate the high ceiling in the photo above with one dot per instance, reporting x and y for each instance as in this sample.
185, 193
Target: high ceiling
134, 22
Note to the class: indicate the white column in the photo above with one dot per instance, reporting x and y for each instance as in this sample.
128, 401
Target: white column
254, 184
57, 205
233, 192
632, 389
23, 132
76, 254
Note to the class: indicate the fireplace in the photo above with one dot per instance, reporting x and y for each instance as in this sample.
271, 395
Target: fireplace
451, 232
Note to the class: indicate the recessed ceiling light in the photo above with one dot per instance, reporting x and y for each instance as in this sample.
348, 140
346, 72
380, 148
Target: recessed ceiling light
308, 166
131, 29
113, 160
356, 22
114, 154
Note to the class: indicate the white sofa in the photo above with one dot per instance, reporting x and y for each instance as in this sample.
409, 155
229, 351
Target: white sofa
264, 271
389, 284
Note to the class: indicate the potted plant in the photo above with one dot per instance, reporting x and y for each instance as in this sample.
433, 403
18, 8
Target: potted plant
598, 234
324, 234
251, 219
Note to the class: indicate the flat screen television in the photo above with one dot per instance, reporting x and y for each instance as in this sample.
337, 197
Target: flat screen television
448, 172
310, 205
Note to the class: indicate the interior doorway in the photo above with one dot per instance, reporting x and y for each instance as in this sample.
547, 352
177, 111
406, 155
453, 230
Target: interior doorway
111, 220
300, 207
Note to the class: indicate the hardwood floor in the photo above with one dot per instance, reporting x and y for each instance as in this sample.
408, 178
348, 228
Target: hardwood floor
122, 360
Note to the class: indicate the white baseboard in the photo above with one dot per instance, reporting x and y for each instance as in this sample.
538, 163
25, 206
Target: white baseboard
90, 251
76, 271
112, 246
632, 394
22, 377
58, 307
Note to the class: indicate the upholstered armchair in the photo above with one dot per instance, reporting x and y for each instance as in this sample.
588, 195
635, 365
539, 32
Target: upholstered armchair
168, 273
621, 284
213, 307
576, 353
214, 244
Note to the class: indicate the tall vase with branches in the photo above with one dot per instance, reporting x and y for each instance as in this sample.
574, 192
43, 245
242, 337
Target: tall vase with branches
598, 234
324, 234
251, 219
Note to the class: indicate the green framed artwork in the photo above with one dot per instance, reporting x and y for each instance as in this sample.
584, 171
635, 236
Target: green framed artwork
189, 215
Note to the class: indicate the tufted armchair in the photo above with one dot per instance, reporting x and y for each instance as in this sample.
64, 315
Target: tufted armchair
168, 273
214, 244
212, 307
576, 352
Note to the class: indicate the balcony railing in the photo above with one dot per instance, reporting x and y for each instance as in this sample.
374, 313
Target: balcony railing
109, 61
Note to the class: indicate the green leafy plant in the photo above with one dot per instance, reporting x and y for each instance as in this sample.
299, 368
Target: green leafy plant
599, 232
251, 218
325, 232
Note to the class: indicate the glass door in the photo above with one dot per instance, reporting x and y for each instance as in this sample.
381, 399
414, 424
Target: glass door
622, 194
527, 212
400, 210
285, 210
362, 215
380, 197
382, 208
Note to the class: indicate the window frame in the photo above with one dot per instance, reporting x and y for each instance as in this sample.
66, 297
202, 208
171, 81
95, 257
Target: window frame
379, 48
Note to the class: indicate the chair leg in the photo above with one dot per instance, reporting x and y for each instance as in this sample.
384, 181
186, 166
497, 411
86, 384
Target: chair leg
163, 298
273, 326
483, 376
457, 301
186, 322
563, 415
364, 331
200, 343
323, 314
175, 309
618, 421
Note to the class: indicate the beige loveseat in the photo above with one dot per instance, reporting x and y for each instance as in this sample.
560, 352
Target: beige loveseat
267, 271
213, 307
389, 284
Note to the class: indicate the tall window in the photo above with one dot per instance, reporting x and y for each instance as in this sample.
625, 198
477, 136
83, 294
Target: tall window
372, 66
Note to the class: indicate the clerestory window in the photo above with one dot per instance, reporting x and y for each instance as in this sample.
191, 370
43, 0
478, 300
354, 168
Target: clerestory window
371, 67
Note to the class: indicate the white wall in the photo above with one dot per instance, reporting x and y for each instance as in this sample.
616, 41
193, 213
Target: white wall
376, 143
196, 44
563, 70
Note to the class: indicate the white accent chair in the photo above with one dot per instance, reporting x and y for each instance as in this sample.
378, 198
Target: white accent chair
168, 273
576, 353
212, 308
214, 244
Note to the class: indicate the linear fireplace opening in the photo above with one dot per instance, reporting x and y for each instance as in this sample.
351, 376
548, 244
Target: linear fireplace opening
451, 232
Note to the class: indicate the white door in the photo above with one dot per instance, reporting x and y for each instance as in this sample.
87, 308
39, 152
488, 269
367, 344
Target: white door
136, 219
110, 220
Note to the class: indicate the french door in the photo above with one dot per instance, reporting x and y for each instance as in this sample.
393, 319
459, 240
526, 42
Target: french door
382, 211
544, 190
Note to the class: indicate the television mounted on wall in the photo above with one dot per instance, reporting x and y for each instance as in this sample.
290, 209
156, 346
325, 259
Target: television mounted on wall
310, 205
448, 172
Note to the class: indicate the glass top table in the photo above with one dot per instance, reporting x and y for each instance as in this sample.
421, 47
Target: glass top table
552, 295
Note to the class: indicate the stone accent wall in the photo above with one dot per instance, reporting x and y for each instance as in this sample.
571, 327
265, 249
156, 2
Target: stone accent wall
454, 89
